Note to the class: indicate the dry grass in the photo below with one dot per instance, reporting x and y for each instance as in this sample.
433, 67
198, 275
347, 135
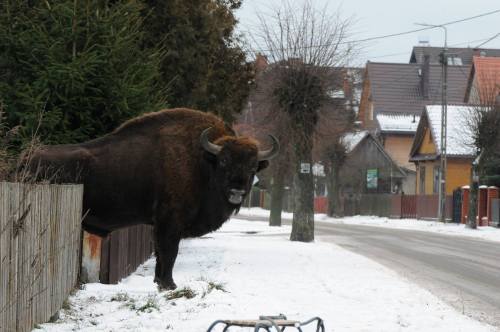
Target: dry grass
13, 165
6, 158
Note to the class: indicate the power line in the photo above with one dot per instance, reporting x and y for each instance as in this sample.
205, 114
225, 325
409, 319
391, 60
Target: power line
394, 34
489, 39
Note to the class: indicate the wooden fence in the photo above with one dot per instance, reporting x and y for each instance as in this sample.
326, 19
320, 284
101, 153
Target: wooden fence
123, 251
396, 206
40, 231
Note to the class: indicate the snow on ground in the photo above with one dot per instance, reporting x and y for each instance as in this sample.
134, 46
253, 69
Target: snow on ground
247, 269
485, 233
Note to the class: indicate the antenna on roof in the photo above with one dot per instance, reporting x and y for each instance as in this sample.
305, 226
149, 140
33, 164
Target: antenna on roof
423, 40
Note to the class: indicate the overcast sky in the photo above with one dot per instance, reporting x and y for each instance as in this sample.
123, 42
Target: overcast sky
382, 17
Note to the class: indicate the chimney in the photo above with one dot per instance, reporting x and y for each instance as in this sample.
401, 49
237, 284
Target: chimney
424, 78
346, 84
260, 63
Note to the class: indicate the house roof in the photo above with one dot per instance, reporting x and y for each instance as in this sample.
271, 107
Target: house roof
486, 71
396, 87
351, 140
397, 123
460, 135
465, 54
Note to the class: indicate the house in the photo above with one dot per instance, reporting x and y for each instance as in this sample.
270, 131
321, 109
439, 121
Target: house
484, 81
368, 168
393, 97
460, 150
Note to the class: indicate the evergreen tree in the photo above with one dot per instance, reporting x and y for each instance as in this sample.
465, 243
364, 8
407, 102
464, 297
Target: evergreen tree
80, 63
488, 143
205, 68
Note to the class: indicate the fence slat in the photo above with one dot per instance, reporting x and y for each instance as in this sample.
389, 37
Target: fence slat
40, 229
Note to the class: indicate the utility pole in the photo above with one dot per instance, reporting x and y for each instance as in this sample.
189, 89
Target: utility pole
444, 108
444, 118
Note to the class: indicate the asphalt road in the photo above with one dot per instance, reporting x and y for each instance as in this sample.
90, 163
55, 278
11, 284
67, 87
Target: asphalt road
463, 272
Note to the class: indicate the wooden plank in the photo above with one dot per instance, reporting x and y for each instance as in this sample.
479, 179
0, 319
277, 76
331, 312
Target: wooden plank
13, 287
5, 263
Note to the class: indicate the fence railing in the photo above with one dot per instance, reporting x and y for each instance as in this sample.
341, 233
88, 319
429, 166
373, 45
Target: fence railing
40, 231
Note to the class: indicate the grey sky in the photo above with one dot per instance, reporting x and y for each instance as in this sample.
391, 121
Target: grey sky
381, 17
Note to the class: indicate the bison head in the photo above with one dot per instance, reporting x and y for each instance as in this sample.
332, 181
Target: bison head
236, 161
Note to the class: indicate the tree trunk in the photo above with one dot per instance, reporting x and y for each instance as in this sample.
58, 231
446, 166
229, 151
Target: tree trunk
332, 178
277, 193
303, 211
471, 218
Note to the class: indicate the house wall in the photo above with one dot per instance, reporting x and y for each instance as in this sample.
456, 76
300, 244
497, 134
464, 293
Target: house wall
429, 177
427, 146
409, 183
368, 156
398, 147
458, 175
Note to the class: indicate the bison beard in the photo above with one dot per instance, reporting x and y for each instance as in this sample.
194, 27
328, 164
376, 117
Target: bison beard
180, 170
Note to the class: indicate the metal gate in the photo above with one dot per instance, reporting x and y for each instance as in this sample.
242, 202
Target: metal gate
457, 206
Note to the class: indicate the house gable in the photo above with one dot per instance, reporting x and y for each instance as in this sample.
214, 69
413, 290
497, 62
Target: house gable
427, 146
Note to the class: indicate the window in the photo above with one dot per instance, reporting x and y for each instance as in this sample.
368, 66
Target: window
454, 61
435, 185
422, 179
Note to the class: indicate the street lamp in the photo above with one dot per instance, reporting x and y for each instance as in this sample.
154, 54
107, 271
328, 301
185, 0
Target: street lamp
444, 109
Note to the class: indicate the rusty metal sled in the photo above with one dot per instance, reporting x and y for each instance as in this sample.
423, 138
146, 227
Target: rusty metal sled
279, 323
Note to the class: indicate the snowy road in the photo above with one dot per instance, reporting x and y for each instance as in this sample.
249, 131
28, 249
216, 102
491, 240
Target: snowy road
464, 272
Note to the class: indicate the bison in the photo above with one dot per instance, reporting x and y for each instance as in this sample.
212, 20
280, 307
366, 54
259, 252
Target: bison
182, 171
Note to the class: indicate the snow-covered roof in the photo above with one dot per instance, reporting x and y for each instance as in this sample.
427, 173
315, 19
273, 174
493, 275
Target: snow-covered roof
460, 136
398, 122
351, 140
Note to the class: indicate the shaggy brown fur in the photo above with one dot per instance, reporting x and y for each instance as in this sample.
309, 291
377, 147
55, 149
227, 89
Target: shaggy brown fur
154, 170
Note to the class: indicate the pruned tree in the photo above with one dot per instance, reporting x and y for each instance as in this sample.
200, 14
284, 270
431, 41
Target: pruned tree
303, 45
259, 119
337, 117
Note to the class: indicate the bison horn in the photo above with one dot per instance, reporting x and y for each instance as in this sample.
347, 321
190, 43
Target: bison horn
272, 152
207, 145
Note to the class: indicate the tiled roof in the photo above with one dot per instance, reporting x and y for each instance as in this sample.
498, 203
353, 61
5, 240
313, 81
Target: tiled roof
401, 123
396, 88
460, 136
487, 75
465, 54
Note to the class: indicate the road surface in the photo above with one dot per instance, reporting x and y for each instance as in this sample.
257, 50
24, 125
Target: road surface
463, 272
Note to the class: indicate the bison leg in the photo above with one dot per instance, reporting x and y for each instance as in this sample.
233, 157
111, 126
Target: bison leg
166, 249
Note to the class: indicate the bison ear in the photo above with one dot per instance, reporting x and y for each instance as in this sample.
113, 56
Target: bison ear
262, 165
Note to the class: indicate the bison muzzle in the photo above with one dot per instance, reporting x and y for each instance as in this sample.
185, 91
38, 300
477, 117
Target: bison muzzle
183, 171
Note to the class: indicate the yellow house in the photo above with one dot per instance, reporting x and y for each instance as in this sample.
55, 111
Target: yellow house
460, 151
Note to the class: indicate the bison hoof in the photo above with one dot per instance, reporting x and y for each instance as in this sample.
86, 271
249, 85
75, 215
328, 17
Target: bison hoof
165, 285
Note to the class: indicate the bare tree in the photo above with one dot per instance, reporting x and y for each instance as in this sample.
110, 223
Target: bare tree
260, 118
303, 45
